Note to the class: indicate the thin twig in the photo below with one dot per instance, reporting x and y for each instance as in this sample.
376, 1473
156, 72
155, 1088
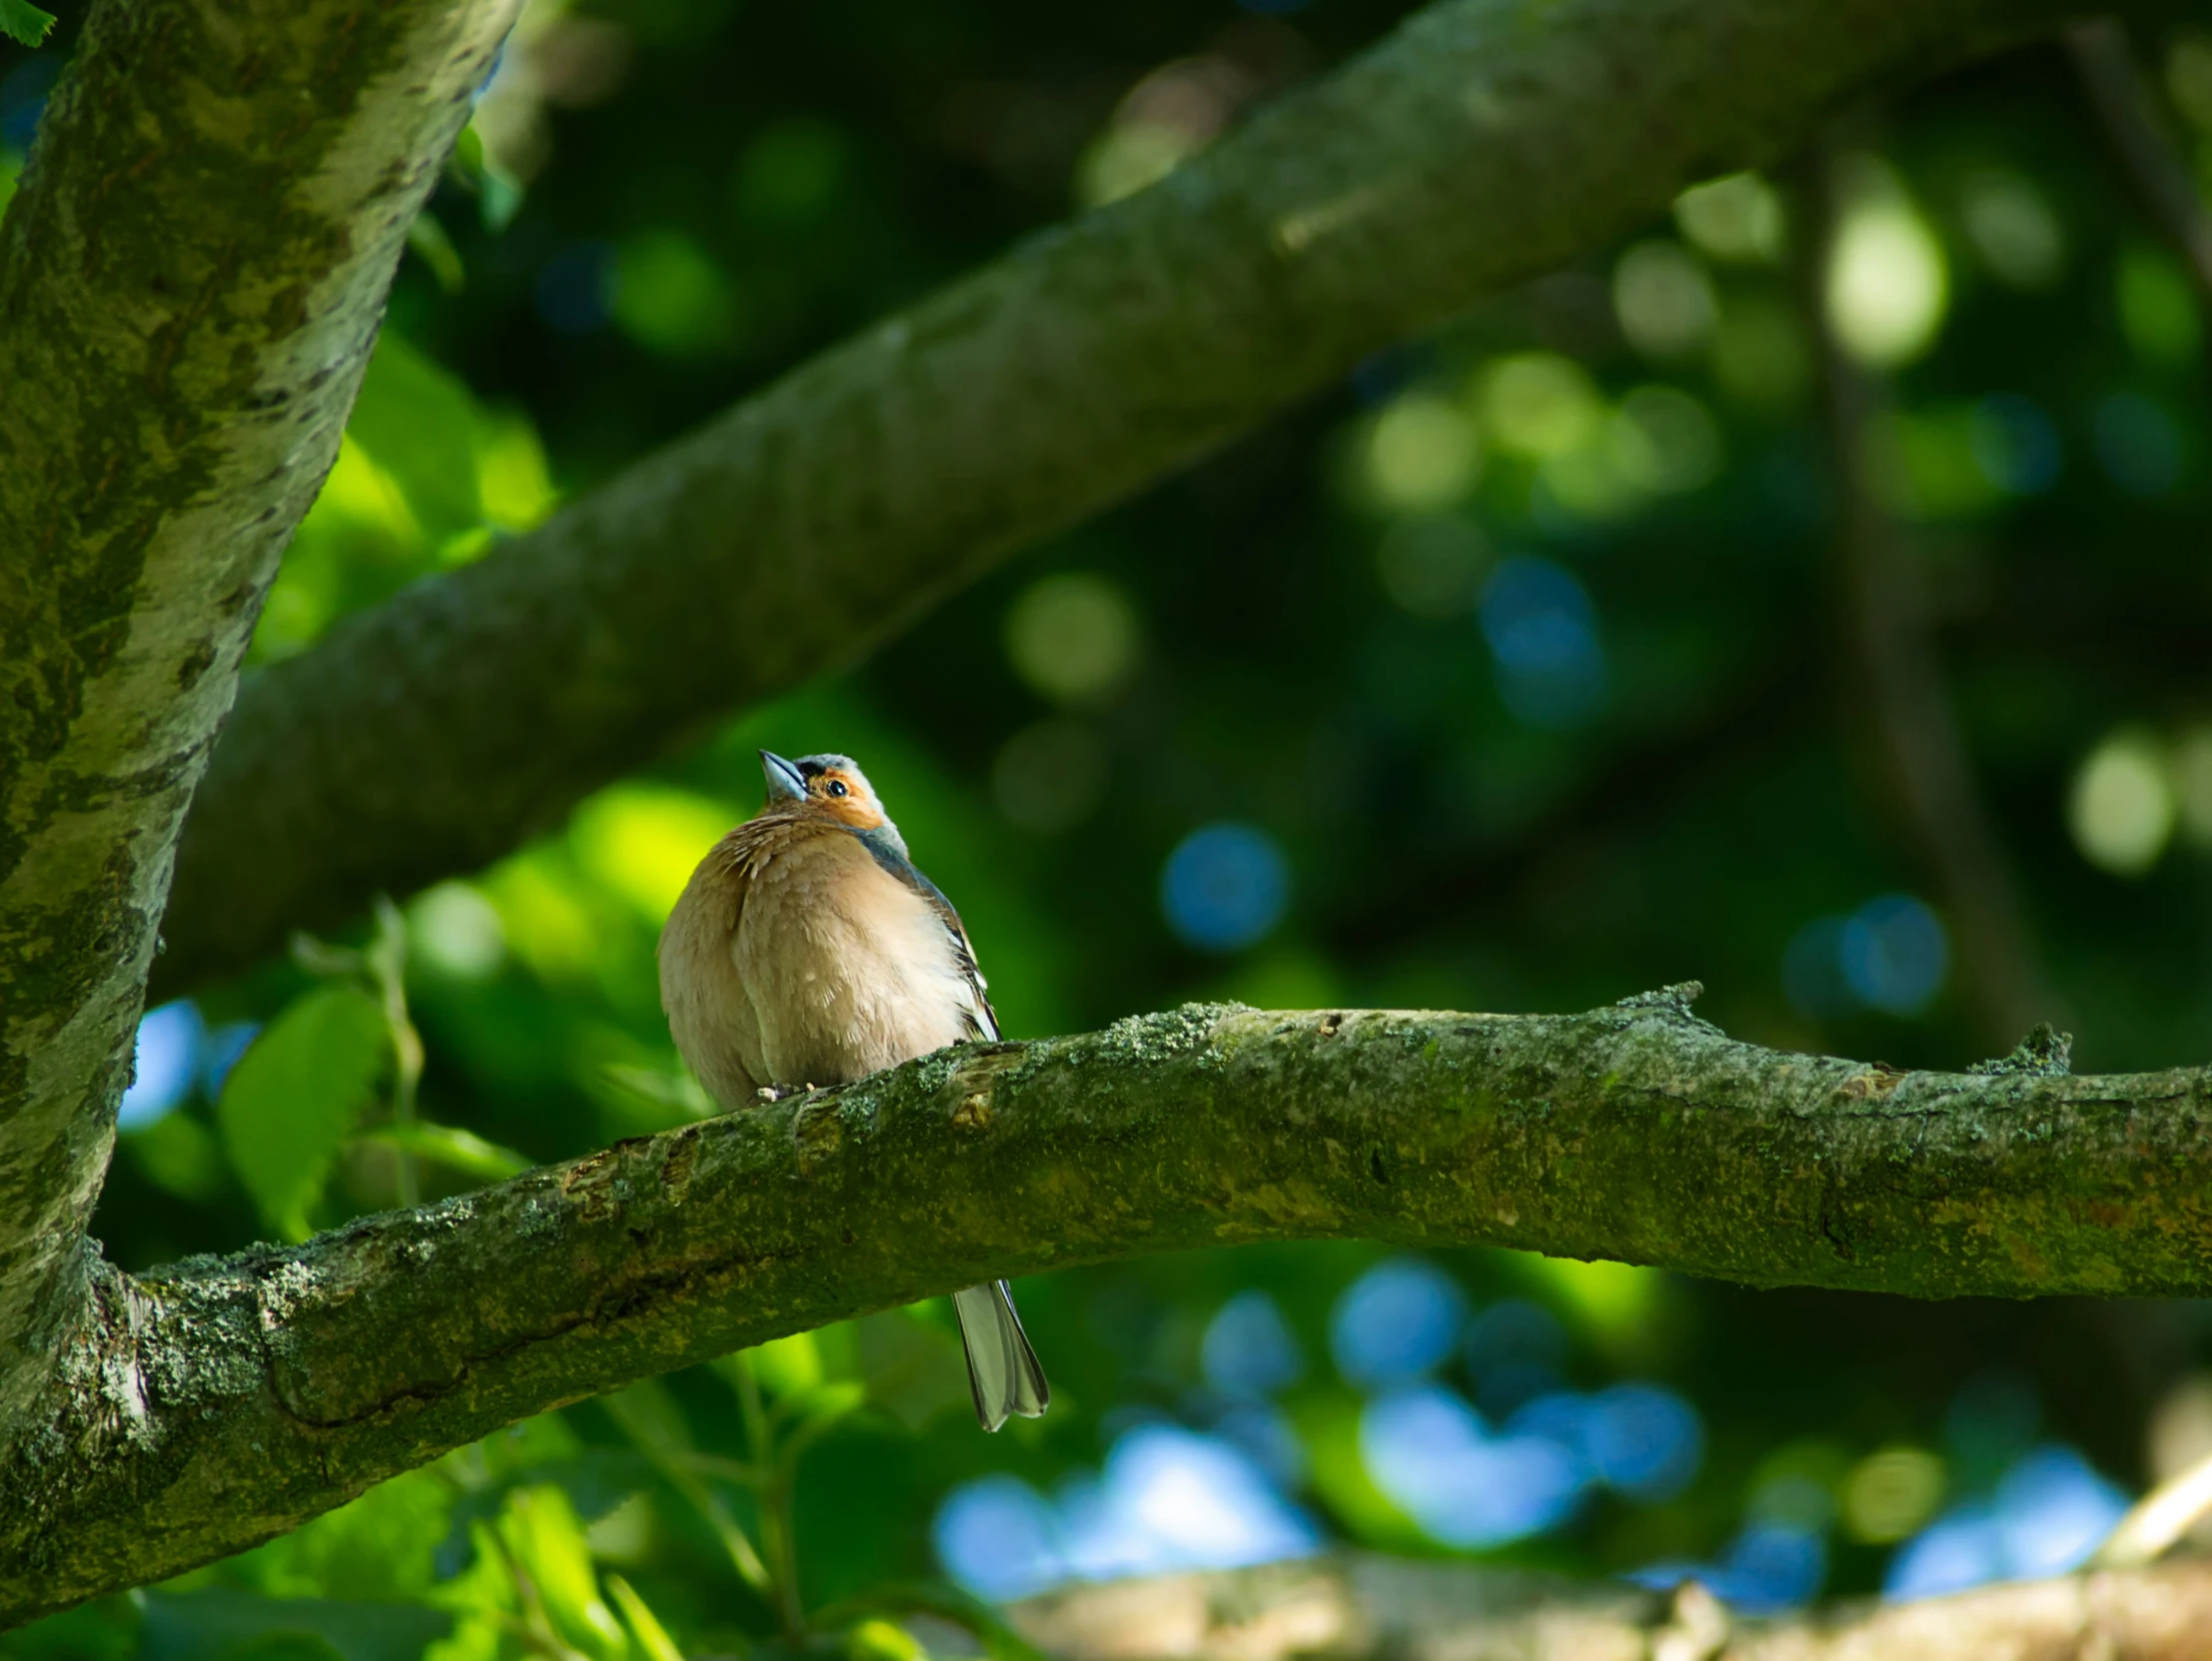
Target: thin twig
2157, 1522
1896, 682
777, 1539
387, 964
2128, 110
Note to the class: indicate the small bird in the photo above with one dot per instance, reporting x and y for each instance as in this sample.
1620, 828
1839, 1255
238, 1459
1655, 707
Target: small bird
807, 950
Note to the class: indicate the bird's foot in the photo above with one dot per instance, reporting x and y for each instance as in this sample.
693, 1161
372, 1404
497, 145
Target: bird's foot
774, 1093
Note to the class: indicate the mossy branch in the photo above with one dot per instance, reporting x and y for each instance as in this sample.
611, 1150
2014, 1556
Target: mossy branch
1482, 144
191, 278
223, 1401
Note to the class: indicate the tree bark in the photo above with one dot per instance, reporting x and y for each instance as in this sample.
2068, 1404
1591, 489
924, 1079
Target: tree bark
191, 278
1479, 145
1364, 1608
227, 1400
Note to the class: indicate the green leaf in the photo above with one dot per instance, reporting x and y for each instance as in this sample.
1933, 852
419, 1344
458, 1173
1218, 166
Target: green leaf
464, 1151
643, 1625
913, 1367
294, 1096
178, 1155
650, 1416
544, 1537
381, 1548
24, 22
427, 239
788, 1365
876, 1639
108, 1630
415, 419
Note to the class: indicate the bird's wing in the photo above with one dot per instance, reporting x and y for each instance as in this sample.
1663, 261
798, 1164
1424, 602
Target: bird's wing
704, 995
890, 854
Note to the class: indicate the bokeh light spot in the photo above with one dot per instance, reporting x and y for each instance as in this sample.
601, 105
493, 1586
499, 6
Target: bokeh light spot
1166, 1498
166, 1062
789, 175
1433, 566
220, 1051
1203, 1501
1770, 1567
1644, 1440
2015, 445
1421, 454
1538, 404
1225, 887
454, 929
1736, 216
2121, 809
1891, 1493
1812, 970
2192, 782
1249, 1348
1895, 954
1431, 1454
672, 297
1886, 284
1074, 637
2011, 226
1396, 1322
2189, 80
2050, 1512
1665, 440
998, 1537
1663, 301
1542, 634
2158, 309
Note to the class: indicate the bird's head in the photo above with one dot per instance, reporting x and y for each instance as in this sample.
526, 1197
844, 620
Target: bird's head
823, 786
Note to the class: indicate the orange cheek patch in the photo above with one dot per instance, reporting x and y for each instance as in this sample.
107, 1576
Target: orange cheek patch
857, 810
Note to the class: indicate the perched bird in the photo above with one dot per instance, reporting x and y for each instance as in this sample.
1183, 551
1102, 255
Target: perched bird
807, 950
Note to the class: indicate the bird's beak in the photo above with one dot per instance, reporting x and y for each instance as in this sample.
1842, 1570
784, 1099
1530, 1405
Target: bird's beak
786, 782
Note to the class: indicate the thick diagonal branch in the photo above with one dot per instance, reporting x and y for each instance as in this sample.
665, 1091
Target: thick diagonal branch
229, 1400
191, 278
1480, 145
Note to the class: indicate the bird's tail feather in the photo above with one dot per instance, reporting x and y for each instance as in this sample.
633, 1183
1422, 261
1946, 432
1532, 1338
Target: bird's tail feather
1002, 1368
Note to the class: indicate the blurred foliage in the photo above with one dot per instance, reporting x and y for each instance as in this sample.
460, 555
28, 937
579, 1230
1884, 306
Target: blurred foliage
1501, 677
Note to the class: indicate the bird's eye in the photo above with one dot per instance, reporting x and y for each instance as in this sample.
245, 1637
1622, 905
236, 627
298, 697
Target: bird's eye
836, 787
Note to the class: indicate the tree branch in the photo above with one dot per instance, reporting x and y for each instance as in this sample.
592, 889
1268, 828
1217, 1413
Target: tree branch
1367, 1608
191, 278
223, 1401
1894, 675
2127, 111
1479, 145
